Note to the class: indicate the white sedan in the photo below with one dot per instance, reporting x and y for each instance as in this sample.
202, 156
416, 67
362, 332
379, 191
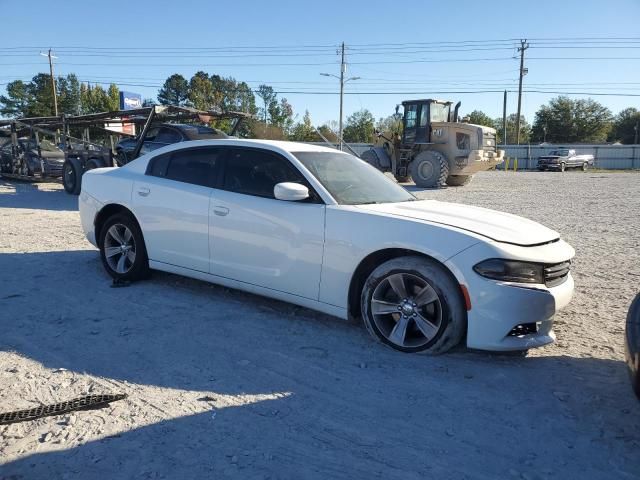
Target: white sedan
322, 229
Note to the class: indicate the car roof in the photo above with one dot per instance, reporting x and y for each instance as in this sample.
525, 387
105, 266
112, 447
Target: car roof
140, 163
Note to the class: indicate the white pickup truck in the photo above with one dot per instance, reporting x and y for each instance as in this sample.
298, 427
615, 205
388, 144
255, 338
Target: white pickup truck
564, 158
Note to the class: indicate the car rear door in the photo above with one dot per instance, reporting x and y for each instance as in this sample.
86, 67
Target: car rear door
172, 205
259, 240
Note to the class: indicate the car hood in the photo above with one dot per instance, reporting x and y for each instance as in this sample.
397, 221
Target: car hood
498, 226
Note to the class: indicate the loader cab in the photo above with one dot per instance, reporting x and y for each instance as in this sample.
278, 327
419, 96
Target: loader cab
418, 117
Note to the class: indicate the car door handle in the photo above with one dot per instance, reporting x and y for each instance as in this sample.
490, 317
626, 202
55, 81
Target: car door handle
143, 191
220, 211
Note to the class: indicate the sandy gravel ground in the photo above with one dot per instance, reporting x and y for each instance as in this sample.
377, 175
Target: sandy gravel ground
223, 384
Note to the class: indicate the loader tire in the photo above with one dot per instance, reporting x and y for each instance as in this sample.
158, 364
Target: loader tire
429, 169
459, 180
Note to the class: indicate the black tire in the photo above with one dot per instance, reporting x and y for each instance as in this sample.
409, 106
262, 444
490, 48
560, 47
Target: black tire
459, 180
448, 309
72, 176
563, 167
134, 270
429, 169
93, 163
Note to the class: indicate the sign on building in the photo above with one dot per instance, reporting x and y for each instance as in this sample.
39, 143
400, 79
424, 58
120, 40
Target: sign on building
130, 101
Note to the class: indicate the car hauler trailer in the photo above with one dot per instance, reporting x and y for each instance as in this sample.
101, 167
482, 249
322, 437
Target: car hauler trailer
82, 142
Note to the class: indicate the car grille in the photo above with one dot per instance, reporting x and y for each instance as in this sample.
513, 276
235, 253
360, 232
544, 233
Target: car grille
489, 141
556, 274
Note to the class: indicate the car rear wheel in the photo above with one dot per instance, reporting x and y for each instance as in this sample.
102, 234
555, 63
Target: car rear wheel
122, 248
412, 304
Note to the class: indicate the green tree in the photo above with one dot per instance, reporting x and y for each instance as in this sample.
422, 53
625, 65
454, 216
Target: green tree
572, 121
525, 130
390, 125
304, 131
268, 97
17, 100
478, 117
41, 104
113, 98
624, 126
328, 133
359, 127
282, 114
69, 95
174, 91
200, 91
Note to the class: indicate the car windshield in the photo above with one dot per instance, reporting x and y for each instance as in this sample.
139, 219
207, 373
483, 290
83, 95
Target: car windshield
560, 153
350, 180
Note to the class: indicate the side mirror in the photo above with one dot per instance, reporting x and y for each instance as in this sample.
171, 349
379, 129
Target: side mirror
290, 191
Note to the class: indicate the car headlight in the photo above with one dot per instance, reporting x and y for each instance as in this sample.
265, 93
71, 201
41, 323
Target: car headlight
510, 270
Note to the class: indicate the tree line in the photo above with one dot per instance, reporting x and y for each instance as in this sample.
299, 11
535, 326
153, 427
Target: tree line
565, 120
562, 120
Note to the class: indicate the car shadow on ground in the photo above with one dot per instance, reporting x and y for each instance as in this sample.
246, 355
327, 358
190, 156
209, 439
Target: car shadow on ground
352, 408
40, 196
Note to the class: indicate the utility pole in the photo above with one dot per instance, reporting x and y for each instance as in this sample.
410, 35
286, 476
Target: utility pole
635, 140
523, 46
343, 70
53, 80
343, 67
504, 119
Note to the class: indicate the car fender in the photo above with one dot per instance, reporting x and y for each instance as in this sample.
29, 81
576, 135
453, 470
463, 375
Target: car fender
352, 235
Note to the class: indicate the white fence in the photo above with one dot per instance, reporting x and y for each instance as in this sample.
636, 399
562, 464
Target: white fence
615, 157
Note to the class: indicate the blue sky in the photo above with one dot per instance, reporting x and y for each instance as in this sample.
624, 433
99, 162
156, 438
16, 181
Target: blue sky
307, 34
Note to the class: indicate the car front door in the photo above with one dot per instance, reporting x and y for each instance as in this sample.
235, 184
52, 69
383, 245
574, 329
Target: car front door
258, 239
172, 206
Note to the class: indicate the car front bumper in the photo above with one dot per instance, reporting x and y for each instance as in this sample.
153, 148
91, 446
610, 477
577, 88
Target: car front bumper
506, 316
548, 166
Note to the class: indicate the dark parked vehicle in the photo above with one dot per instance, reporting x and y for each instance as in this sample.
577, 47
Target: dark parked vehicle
564, 158
632, 344
42, 157
165, 134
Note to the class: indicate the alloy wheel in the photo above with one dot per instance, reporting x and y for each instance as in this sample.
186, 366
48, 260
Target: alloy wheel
406, 310
120, 248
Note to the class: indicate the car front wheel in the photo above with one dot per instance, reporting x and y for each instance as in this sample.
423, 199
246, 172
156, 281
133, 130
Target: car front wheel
413, 304
122, 248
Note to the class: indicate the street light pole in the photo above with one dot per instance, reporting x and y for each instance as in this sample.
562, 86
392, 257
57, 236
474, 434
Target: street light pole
343, 70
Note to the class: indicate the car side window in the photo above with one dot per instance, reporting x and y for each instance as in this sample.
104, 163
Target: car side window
168, 135
197, 166
158, 165
256, 172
